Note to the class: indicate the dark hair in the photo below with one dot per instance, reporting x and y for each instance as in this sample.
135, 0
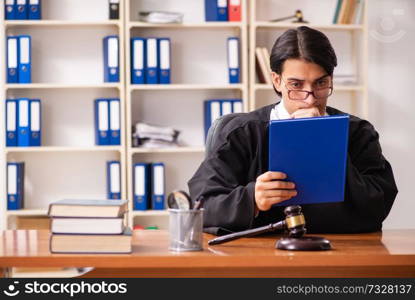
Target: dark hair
305, 43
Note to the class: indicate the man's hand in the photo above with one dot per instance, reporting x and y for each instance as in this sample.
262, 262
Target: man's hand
306, 113
270, 189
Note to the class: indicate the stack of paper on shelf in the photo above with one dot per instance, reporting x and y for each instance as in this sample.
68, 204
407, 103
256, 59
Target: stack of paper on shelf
152, 136
89, 226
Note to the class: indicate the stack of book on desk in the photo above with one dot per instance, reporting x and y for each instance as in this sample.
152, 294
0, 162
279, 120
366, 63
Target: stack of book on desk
89, 226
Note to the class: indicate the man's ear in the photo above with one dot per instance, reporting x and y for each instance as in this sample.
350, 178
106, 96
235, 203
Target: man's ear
276, 81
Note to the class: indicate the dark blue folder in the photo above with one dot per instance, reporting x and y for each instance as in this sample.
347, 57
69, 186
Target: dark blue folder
313, 153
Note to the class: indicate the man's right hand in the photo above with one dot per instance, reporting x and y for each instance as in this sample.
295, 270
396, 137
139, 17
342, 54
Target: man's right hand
270, 188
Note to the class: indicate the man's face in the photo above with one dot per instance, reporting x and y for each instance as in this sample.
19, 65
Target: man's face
299, 74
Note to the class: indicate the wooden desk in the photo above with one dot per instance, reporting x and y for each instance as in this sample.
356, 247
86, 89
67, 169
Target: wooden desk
387, 254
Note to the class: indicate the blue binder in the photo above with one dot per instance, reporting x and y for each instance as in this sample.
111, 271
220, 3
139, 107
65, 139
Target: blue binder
11, 123
111, 59
237, 106
34, 11
212, 111
101, 113
35, 122
12, 59
138, 55
15, 185
226, 107
151, 61
21, 10
164, 60
115, 123
23, 127
113, 179
216, 10
142, 186
25, 69
9, 10
158, 186
312, 152
233, 60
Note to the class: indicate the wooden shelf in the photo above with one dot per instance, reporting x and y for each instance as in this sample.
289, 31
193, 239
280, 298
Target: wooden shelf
61, 23
168, 150
63, 86
62, 149
272, 25
186, 87
207, 25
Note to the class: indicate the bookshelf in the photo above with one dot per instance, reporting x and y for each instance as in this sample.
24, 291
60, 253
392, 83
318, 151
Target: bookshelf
67, 75
180, 104
68, 164
350, 41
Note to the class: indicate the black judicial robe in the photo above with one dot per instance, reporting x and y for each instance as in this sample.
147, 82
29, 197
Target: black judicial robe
239, 154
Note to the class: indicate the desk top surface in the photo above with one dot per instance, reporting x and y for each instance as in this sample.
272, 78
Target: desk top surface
150, 249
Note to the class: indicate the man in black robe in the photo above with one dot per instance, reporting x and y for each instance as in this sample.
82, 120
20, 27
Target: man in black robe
239, 191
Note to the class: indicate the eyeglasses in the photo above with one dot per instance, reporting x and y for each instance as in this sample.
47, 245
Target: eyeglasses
321, 92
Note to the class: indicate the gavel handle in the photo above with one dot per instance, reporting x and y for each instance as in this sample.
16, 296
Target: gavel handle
247, 233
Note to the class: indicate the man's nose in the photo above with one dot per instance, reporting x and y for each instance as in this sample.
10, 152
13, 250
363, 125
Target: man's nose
311, 100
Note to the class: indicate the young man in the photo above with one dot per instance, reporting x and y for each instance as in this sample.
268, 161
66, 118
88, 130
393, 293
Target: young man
239, 192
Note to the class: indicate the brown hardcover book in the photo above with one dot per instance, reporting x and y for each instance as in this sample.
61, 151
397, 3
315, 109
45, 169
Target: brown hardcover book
266, 57
87, 243
261, 68
88, 208
342, 13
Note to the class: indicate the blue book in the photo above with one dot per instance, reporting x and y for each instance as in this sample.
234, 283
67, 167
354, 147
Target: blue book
113, 179
12, 59
9, 10
158, 186
233, 60
15, 185
151, 61
101, 116
21, 10
115, 123
138, 56
216, 10
212, 111
164, 60
111, 59
141, 186
313, 153
23, 127
34, 11
25, 69
35, 122
11, 123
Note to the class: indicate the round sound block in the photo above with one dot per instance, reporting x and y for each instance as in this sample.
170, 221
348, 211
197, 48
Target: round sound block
305, 243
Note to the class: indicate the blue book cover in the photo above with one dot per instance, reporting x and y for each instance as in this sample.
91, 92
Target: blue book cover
216, 10
111, 59
212, 110
15, 185
23, 125
34, 11
25, 59
35, 122
138, 57
12, 59
9, 10
158, 186
164, 60
152, 67
313, 153
114, 121
233, 60
21, 9
101, 117
141, 186
113, 179
11, 123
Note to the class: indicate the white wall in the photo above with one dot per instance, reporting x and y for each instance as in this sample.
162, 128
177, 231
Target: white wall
392, 97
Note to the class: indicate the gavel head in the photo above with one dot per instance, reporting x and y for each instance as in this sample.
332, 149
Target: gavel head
295, 221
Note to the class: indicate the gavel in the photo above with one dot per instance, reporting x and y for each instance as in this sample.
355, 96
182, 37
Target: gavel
294, 224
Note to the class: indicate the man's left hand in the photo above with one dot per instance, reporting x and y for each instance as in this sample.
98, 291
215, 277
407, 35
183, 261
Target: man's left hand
306, 113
